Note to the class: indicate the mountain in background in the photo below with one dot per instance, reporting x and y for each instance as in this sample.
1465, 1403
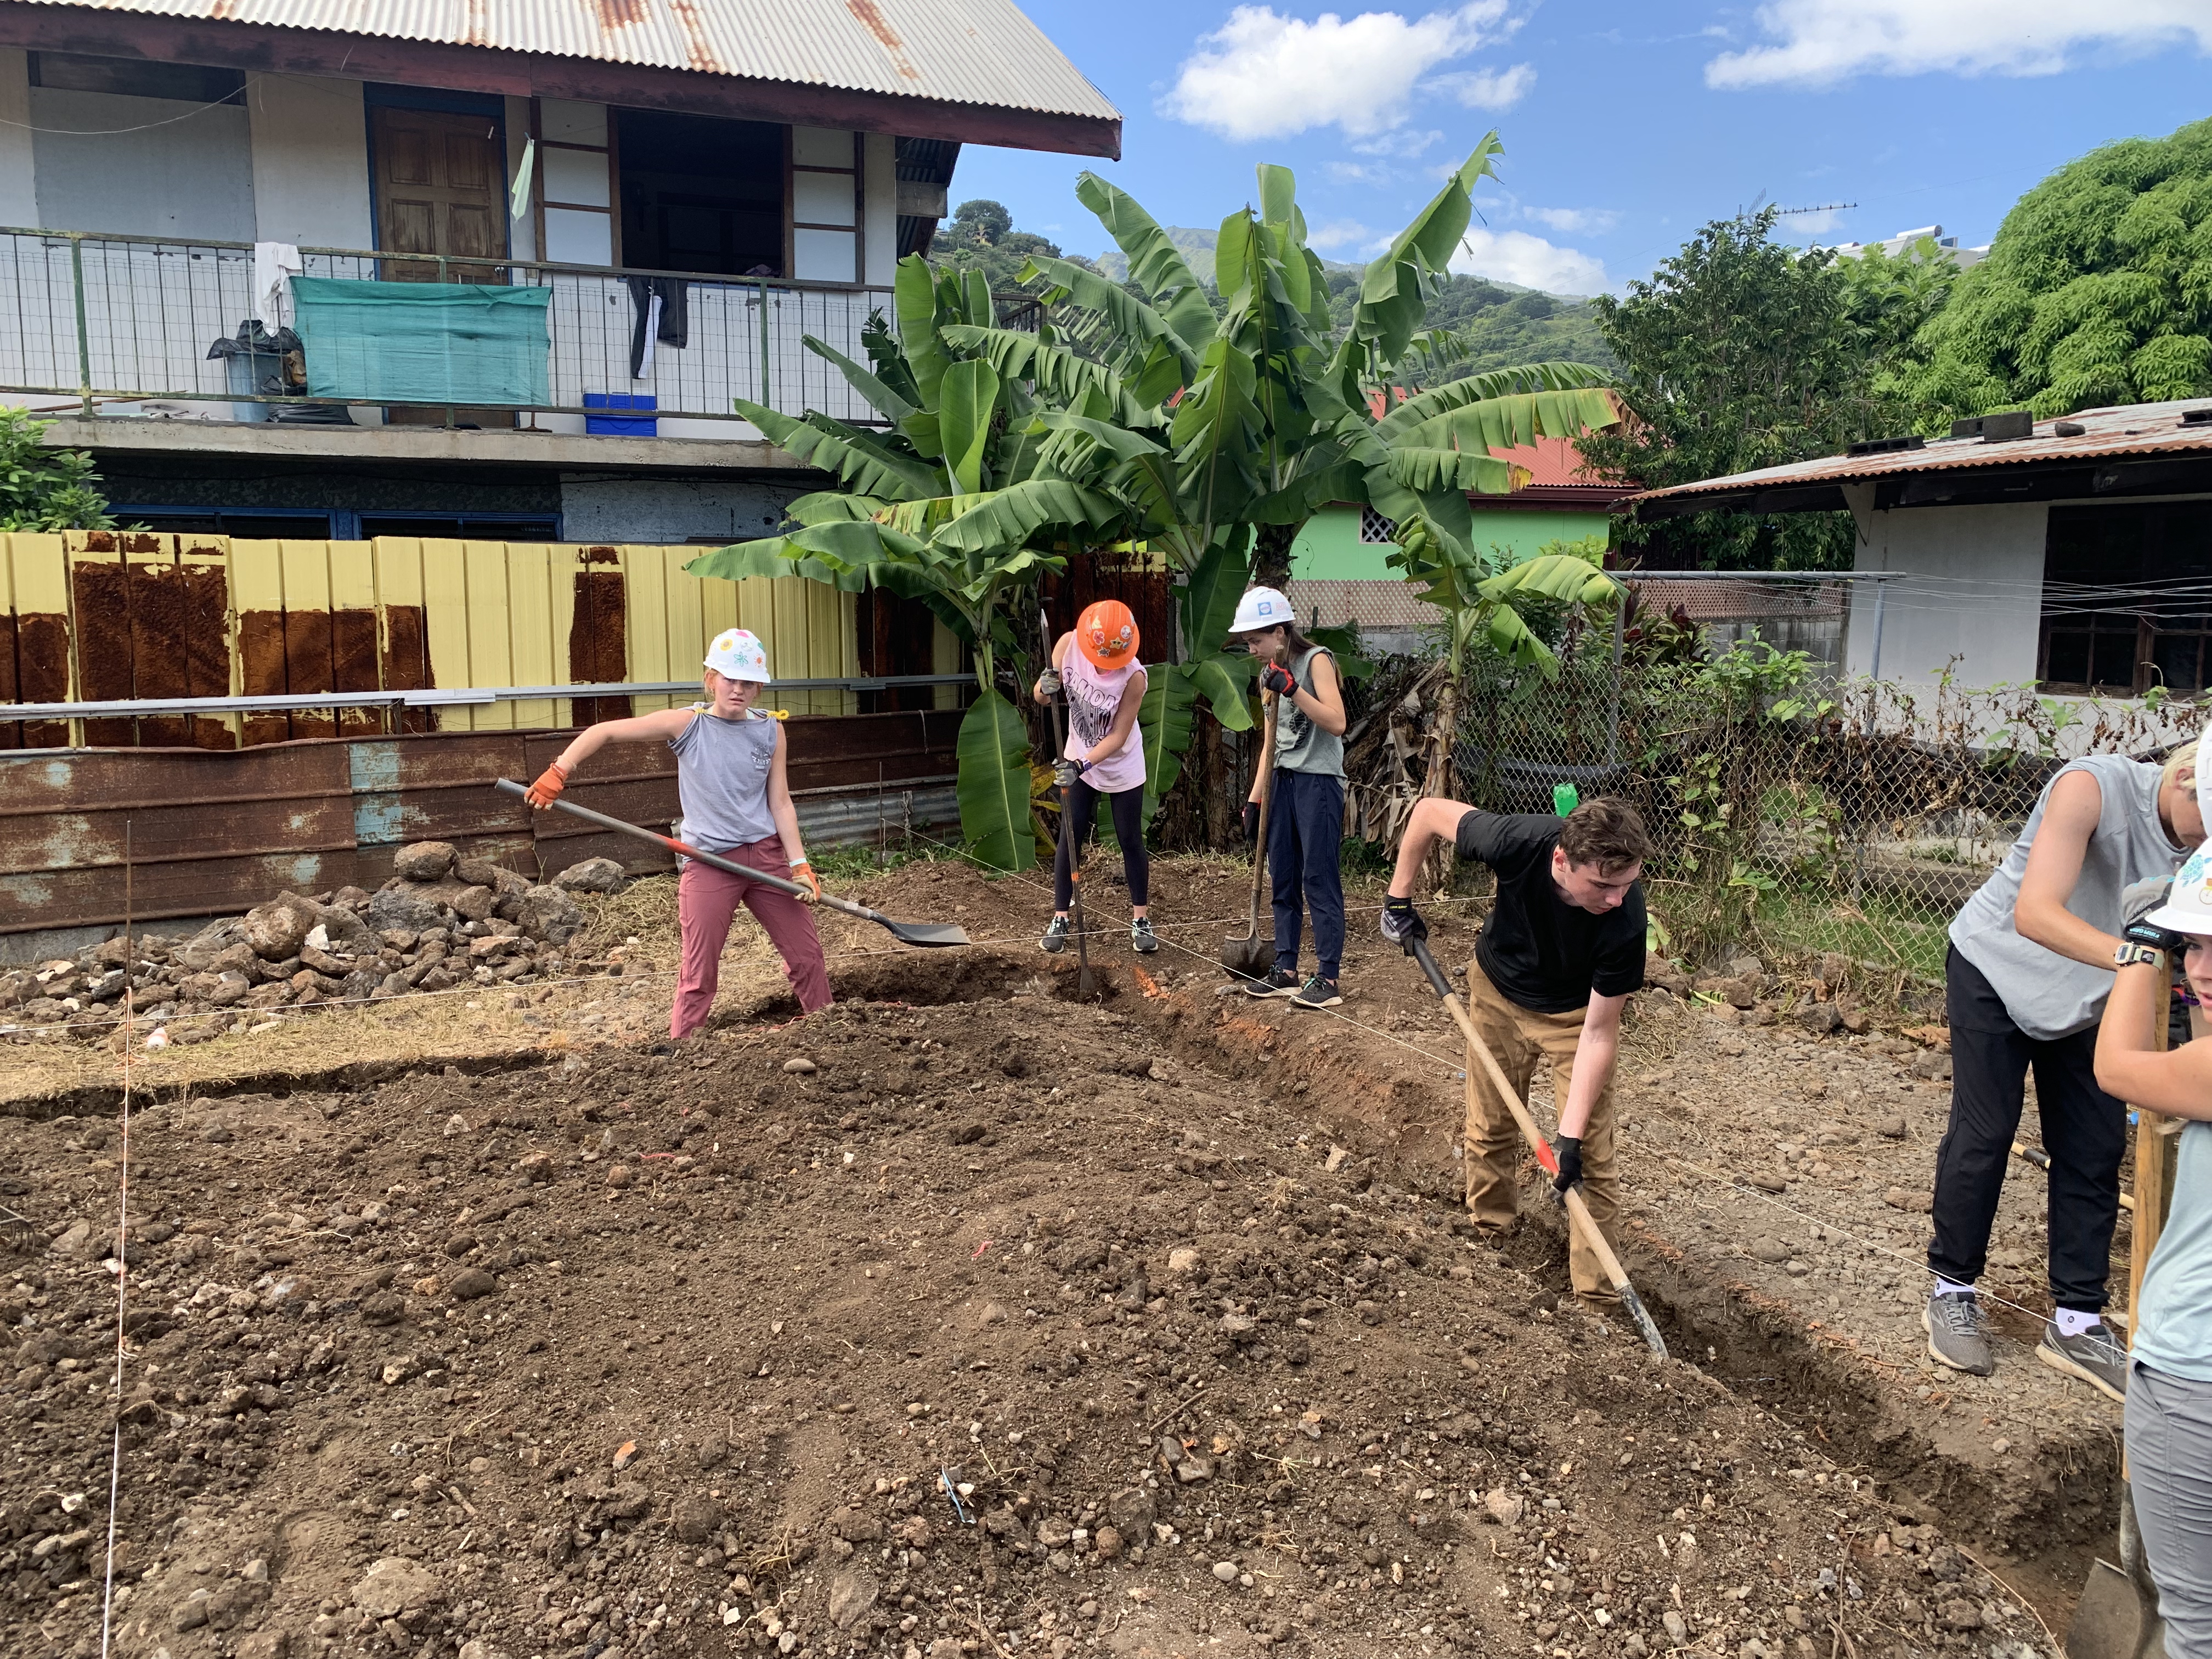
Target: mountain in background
1504, 324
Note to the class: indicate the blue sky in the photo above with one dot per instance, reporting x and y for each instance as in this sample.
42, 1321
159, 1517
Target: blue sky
1625, 125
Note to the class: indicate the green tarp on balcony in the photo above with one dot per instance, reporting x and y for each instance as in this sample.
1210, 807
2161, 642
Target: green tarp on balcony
433, 343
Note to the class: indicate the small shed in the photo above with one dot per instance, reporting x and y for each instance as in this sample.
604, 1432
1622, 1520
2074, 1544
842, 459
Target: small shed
2075, 554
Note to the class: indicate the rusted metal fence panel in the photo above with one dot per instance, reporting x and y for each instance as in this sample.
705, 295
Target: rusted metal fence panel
212, 832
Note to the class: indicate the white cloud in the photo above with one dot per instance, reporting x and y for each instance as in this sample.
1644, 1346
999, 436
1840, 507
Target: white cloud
1515, 255
1339, 233
1265, 75
1404, 146
1819, 42
1573, 220
1497, 89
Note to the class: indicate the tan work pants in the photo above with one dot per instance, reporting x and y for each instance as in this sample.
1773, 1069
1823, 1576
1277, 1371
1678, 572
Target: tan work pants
1520, 1041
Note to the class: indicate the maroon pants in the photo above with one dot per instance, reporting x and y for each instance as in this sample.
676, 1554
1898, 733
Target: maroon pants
706, 900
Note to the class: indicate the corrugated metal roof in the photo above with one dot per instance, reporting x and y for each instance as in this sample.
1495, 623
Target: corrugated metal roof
962, 51
2152, 429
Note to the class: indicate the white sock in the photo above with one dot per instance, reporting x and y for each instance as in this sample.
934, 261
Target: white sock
1948, 1287
2071, 1322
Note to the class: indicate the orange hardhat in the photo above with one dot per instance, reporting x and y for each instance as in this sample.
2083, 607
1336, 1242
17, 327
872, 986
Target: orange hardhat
1107, 633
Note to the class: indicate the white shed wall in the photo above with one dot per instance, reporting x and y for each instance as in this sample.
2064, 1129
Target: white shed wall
142, 167
1981, 603
19, 194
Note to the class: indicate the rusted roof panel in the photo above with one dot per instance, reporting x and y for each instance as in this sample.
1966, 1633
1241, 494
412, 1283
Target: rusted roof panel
962, 51
2130, 429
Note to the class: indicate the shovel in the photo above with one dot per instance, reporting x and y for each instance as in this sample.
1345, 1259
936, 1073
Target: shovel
907, 932
2116, 1617
1578, 1215
1083, 986
1247, 955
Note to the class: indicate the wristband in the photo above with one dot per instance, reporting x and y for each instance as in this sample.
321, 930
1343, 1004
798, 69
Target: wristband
2131, 955
2148, 934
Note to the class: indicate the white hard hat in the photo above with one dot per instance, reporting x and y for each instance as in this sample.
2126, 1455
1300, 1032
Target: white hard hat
2188, 906
737, 654
1261, 607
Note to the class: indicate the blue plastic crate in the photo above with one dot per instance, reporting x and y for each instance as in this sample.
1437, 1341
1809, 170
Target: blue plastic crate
621, 426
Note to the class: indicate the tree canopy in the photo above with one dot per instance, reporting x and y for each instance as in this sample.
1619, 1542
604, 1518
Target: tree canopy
2097, 290
45, 489
1741, 352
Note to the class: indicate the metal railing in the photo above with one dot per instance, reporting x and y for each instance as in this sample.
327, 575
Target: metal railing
104, 319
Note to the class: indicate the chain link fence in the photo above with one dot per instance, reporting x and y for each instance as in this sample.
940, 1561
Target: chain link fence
1797, 813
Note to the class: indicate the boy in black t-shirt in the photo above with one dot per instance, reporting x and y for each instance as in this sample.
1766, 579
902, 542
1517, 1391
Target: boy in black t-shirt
1553, 967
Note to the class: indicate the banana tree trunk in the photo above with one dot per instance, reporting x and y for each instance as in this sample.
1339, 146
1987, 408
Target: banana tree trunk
1438, 780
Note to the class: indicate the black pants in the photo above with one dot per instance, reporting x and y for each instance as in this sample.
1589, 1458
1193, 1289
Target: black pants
1127, 806
2085, 1130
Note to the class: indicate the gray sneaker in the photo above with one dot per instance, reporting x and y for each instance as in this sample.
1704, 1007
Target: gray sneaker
2094, 1355
1957, 1335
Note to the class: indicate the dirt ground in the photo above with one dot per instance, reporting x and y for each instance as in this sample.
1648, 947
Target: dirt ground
966, 1317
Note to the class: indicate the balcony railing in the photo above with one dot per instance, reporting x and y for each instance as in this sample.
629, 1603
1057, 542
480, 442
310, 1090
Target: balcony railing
106, 320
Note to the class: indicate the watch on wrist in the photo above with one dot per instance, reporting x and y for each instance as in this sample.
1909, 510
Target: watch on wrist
2131, 954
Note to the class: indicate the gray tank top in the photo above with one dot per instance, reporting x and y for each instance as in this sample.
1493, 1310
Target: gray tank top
2048, 995
1300, 745
2173, 1324
721, 777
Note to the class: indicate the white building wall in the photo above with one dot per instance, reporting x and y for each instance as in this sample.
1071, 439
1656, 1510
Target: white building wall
310, 137
142, 167
19, 193
1969, 597
879, 192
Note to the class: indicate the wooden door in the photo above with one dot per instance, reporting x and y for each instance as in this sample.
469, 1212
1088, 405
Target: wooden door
440, 188
440, 183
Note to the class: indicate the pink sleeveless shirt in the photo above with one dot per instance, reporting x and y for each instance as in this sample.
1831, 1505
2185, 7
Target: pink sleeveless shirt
1093, 697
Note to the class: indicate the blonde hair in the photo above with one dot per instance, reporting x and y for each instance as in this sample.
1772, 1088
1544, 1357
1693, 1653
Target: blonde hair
2183, 759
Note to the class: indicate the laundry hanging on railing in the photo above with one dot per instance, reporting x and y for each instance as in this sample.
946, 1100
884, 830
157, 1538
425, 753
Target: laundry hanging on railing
424, 343
664, 313
275, 266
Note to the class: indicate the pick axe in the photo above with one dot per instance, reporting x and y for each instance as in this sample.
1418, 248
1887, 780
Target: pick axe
1578, 1216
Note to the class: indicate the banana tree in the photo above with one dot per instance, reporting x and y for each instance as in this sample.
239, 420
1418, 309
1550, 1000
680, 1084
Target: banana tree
1225, 431
959, 504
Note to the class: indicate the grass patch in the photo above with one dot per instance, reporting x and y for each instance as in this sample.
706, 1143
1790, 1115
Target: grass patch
1876, 930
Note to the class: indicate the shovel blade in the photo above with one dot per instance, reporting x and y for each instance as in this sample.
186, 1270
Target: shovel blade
2114, 1617
1250, 957
927, 933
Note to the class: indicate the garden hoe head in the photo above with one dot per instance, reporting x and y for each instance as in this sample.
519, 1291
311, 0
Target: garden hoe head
1250, 954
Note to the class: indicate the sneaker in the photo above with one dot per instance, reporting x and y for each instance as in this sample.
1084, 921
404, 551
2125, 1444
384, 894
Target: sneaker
1055, 936
2093, 1356
1957, 1335
1279, 983
1317, 992
1142, 938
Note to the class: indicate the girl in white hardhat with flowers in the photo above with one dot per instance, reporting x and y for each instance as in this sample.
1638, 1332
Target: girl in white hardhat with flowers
2169, 1363
737, 802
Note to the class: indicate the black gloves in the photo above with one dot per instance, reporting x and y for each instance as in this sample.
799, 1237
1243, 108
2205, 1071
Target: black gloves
2145, 931
1401, 923
1251, 824
1568, 1150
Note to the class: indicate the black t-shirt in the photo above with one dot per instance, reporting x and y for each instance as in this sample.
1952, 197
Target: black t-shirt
1544, 954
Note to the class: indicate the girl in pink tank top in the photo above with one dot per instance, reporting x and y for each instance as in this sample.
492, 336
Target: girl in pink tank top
1097, 667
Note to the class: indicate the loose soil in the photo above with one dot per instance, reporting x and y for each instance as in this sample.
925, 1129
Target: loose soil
1013, 1325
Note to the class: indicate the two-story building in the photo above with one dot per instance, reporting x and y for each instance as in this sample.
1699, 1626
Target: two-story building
217, 217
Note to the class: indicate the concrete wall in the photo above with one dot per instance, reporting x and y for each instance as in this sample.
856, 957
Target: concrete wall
1978, 606
880, 197
605, 509
310, 161
186, 171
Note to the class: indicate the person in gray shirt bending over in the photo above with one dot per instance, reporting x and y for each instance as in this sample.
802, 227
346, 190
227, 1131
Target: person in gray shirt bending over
2169, 1418
2026, 978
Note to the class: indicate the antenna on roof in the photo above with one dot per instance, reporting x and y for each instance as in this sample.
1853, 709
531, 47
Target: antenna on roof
1825, 207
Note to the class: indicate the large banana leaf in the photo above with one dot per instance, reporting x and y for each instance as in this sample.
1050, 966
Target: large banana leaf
857, 460
968, 393
914, 295
1156, 264
881, 398
1529, 379
1057, 373
1493, 424
1008, 517
993, 749
1394, 290
1556, 576
1421, 470
1164, 721
1226, 683
1138, 330
1210, 593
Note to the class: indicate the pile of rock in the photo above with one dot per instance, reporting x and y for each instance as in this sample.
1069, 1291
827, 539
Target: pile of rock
440, 922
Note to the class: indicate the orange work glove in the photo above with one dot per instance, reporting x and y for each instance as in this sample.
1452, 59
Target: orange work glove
803, 873
547, 790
